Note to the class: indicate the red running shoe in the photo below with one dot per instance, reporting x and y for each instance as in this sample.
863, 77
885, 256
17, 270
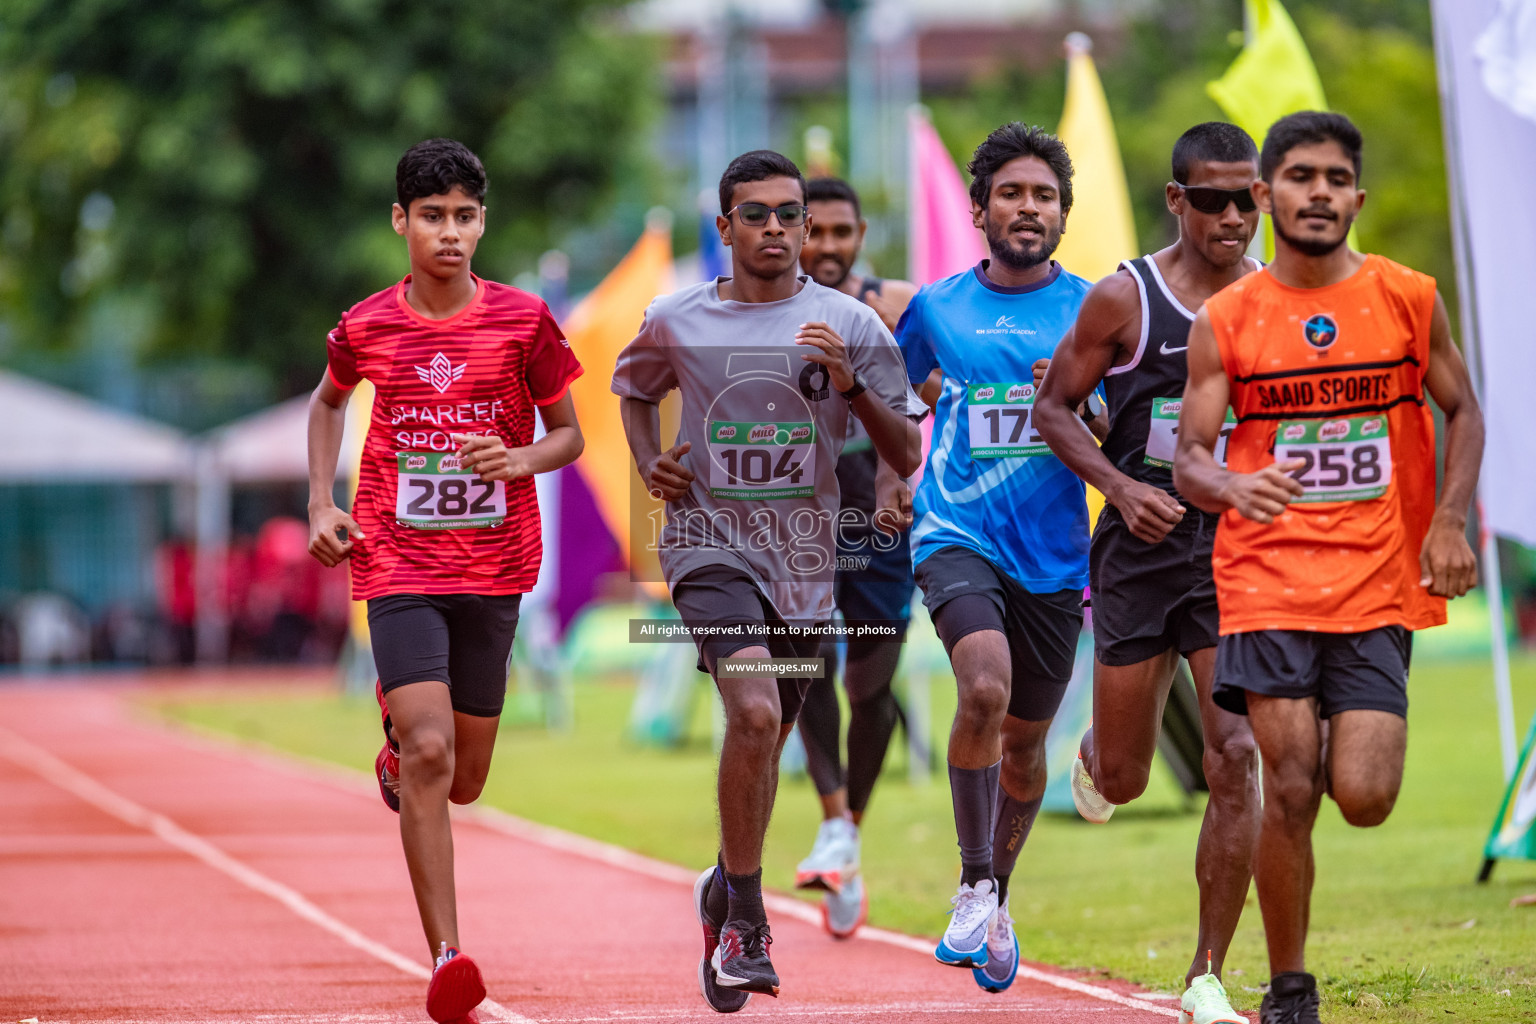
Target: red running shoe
387, 767
456, 988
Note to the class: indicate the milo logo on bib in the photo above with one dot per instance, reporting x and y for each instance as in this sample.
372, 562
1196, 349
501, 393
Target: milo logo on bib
762, 461
1348, 459
435, 492
1163, 433
1001, 421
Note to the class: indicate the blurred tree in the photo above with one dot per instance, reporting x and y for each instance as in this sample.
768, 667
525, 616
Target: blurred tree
213, 177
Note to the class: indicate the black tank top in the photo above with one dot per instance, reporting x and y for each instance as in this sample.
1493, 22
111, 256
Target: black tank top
1155, 375
858, 462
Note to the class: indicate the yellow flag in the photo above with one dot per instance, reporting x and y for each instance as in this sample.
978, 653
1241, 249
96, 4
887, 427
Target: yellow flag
598, 329
1272, 77
1100, 230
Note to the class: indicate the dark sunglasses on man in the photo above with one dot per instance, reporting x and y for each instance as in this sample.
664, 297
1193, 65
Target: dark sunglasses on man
1215, 200
755, 215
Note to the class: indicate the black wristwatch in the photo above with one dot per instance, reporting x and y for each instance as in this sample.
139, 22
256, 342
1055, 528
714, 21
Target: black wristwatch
860, 385
1089, 413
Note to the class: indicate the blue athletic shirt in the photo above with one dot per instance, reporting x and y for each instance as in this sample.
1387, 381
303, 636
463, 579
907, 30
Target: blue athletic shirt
1028, 514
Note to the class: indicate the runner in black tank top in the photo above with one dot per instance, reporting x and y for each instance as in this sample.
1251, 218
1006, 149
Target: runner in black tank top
1150, 561
873, 590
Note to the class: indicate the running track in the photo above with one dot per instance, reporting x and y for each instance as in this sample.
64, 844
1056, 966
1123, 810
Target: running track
150, 875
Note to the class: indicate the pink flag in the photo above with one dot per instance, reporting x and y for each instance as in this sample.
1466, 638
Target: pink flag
940, 238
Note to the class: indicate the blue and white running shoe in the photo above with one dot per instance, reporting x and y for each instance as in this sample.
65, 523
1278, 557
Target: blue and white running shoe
1002, 954
965, 940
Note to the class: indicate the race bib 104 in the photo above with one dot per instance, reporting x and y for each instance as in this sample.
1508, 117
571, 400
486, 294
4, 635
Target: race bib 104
762, 461
1163, 434
435, 492
1002, 421
1347, 459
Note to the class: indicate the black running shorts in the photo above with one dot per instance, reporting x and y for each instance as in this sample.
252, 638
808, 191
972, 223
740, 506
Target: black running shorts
719, 596
463, 640
964, 593
874, 579
1345, 671
1148, 598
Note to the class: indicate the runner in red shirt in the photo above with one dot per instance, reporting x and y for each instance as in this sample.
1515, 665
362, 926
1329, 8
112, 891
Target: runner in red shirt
444, 539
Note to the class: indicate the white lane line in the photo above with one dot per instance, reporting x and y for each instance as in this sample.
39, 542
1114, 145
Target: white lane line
800, 910
70, 779
607, 853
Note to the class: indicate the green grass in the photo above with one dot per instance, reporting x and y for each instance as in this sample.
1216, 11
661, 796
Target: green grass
1399, 929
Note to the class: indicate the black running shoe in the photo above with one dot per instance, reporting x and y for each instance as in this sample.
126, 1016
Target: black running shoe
1291, 999
741, 959
719, 998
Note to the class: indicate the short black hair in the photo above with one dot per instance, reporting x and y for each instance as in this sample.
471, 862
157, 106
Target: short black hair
1010, 142
434, 167
1308, 128
1215, 141
832, 190
758, 165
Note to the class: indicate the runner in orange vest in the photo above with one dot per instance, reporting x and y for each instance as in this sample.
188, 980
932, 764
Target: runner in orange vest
1331, 546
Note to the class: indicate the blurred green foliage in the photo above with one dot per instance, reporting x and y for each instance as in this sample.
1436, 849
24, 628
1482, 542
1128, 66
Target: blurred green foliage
1376, 63
214, 177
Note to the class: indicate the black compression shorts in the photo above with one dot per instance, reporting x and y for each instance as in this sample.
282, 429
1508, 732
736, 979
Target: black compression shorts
964, 592
463, 640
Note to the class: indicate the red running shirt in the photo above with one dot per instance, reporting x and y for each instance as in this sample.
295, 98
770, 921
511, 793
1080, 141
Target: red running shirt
480, 371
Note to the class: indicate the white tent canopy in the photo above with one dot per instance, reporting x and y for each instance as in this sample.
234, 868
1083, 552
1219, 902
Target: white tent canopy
272, 445
50, 435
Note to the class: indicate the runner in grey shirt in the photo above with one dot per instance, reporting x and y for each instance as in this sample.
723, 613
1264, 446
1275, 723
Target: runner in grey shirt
770, 366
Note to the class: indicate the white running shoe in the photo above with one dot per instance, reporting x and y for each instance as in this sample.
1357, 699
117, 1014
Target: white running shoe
1090, 804
1205, 1002
1002, 954
834, 857
965, 940
843, 912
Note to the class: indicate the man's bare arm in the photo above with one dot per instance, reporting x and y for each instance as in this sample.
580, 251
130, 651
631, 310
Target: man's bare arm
1446, 560
1111, 312
331, 531
1259, 496
662, 472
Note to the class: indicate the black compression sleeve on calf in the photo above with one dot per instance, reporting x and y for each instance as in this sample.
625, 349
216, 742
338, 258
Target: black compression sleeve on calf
872, 715
973, 791
820, 723
1013, 820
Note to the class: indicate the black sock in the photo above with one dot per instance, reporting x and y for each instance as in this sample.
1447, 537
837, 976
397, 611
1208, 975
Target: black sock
973, 791
1013, 820
716, 902
745, 893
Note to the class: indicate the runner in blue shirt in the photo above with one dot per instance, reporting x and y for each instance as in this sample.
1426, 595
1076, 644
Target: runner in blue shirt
1000, 539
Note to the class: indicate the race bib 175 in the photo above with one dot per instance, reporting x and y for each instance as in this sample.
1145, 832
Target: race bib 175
762, 461
437, 493
1348, 459
1001, 418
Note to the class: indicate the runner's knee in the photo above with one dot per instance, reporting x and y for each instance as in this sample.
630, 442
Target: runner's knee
755, 717
426, 756
1364, 804
983, 702
1231, 762
1119, 781
1293, 791
1024, 770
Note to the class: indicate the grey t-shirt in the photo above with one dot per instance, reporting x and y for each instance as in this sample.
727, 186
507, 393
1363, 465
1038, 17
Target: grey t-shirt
766, 429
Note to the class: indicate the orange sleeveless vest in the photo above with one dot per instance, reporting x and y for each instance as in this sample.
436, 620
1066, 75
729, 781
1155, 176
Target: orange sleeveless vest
1335, 377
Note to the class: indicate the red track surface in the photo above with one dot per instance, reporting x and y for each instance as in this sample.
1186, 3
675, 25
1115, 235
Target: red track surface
147, 875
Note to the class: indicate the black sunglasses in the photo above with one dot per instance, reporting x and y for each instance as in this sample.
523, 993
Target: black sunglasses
1215, 200
755, 215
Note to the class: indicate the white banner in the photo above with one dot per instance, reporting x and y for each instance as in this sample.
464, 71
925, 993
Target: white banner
1486, 52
